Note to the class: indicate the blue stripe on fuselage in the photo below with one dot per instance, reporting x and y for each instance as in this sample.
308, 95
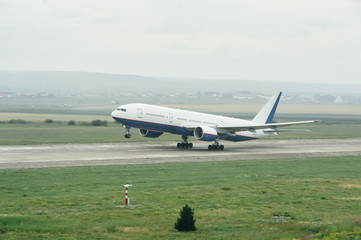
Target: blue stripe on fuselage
174, 129
154, 126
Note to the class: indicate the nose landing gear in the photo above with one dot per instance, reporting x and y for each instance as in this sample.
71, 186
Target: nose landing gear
127, 128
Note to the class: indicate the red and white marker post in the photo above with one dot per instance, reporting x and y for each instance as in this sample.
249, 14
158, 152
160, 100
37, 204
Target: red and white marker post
127, 201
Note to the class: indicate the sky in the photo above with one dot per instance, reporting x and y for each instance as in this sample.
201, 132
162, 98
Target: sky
315, 41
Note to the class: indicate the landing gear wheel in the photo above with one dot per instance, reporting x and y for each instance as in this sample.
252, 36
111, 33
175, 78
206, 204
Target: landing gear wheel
184, 144
215, 147
127, 134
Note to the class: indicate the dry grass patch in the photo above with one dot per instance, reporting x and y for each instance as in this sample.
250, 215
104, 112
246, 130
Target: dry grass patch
133, 229
350, 198
350, 185
36, 117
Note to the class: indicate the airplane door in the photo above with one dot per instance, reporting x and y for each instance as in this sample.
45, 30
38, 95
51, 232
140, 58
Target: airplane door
170, 118
140, 113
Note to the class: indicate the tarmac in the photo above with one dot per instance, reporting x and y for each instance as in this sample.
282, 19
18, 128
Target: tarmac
70, 155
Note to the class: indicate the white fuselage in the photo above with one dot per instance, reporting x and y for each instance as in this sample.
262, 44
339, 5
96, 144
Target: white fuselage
177, 121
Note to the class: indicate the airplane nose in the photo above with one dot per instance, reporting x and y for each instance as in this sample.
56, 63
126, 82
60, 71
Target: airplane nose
113, 113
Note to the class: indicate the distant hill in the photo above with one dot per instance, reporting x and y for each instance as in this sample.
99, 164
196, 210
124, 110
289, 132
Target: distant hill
268, 87
85, 82
74, 82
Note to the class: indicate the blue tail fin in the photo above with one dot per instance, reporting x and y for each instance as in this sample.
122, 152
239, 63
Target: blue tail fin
268, 111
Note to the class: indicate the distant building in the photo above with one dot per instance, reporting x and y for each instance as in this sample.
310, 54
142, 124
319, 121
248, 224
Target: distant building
338, 99
5, 94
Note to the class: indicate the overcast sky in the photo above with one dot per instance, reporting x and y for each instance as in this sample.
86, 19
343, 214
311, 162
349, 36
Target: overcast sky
283, 40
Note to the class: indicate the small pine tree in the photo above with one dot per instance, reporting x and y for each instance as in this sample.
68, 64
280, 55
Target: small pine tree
186, 222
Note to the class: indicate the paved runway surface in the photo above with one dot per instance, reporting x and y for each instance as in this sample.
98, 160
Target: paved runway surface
64, 155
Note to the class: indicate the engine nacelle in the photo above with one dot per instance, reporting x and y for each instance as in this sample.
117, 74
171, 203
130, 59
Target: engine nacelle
205, 133
149, 133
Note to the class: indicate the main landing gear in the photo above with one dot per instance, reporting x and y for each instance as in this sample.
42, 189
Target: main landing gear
185, 143
127, 135
215, 146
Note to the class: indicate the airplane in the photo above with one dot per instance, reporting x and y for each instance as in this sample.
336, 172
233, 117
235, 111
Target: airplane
153, 121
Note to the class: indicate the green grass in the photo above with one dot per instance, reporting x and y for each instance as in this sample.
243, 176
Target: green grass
53, 133
322, 131
317, 197
38, 132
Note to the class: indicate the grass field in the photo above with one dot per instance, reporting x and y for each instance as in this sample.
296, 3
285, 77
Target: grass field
37, 132
42, 133
268, 199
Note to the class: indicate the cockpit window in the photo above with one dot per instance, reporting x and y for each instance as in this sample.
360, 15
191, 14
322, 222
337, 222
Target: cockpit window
121, 109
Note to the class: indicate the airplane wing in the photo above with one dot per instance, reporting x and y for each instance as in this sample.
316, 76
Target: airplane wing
250, 127
263, 120
261, 126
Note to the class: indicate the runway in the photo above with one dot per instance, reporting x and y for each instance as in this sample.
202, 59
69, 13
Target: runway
66, 155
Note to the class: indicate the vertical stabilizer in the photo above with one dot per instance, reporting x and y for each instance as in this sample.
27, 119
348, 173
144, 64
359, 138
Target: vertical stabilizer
268, 111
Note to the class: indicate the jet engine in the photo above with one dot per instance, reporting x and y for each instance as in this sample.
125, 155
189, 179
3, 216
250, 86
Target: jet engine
149, 133
205, 133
